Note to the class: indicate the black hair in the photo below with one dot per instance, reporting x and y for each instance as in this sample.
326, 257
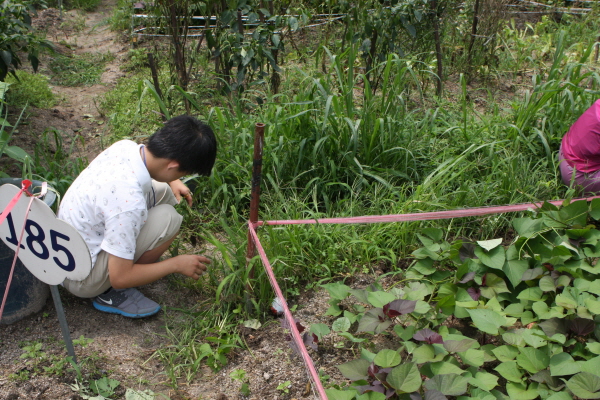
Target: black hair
188, 141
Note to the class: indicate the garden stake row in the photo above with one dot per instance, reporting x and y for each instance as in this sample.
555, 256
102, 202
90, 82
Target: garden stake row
298, 344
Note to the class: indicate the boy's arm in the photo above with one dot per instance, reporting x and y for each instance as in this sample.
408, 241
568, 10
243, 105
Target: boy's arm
125, 274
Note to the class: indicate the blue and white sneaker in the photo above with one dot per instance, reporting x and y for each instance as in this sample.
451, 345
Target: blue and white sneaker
126, 302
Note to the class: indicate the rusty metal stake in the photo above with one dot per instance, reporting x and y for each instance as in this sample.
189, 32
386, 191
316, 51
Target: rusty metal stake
259, 137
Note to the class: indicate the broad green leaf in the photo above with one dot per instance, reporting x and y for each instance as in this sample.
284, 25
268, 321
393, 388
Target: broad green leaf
560, 396
527, 227
371, 396
494, 258
351, 337
336, 394
355, 370
487, 320
418, 291
532, 293
510, 371
494, 285
405, 378
595, 209
519, 391
528, 317
443, 368
563, 364
533, 338
424, 266
514, 337
514, 270
490, 244
341, 324
593, 347
472, 357
514, 310
543, 312
457, 346
576, 212
592, 366
320, 330
448, 384
423, 354
387, 358
547, 284
505, 352
484, 380
585, 385
380, 299
593, 305
337, 290
532, 360
566, 300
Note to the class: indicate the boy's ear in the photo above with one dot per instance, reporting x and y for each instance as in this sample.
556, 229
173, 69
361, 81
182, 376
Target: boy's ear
173, 164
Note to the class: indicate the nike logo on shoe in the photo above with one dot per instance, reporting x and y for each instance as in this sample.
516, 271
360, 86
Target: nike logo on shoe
109, 302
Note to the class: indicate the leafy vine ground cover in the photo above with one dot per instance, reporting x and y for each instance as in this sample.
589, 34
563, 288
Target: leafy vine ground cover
533, 305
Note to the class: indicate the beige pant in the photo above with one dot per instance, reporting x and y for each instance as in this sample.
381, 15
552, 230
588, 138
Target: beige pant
162, 224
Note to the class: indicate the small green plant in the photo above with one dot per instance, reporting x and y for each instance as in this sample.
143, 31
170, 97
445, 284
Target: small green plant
284, 387
33, 351
240, 375
104, 386
82, 341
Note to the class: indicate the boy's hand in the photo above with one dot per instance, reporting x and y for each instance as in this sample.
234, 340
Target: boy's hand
192, 265
180, 190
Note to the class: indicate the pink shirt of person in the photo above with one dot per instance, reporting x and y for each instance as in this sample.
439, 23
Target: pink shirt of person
581, 145
579, 154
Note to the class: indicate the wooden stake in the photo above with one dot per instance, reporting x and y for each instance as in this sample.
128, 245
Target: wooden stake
259, 136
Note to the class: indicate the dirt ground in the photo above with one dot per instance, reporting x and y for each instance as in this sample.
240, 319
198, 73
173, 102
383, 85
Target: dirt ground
122, 348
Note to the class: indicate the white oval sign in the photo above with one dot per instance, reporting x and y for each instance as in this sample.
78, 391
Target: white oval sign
51, 248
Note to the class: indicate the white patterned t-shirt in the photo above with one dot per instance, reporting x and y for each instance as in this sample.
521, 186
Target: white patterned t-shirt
108, 202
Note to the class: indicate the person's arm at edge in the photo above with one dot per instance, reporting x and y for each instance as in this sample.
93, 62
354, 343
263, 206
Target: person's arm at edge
125, 273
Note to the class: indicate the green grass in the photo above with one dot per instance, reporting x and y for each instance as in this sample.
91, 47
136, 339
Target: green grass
80, 70
335, 149
30, 89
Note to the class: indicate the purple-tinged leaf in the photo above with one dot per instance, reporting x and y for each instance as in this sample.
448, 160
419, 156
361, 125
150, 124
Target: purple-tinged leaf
372, 370
300, 327
467, 277
311, 340
458, 346
434, 395
532, 274
428, 336
553, 326
415, 396
475, 293
581, 326
576, 242
399, 307
466, 251
374, 321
